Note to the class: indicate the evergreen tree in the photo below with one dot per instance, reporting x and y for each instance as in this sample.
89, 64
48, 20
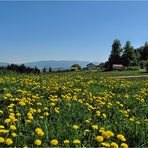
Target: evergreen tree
44, 70
128, 57
145, 51
49, 70
115, 55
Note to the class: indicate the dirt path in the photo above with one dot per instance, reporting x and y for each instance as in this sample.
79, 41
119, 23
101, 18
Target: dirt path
140, 76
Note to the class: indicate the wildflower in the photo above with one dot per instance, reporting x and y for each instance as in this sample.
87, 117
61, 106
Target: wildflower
1, 126
76, 141
28, 121
124, 145
104, 115
46, 113
8, 95
56, 109
12, 127
110, 133
38, 142
21, 103
99, 138
25, 146
66, 141
18, 114
38, 110
30, 116
39, 132
87, 121
52, 104
1, 112
2, 140
106, 134
114, 145
105, 144
7, 121
98, 113
95, 127
4, 131
14, 134
9, 141
121, 137
75, 127
41, 117
101, 130
54, 142
132, 119
86, 131
137, 122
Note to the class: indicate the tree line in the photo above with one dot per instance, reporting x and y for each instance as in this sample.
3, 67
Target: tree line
20, 69
127, 55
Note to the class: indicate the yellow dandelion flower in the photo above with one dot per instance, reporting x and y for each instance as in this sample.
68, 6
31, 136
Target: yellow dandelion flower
86, 131
38, 142
1, 126
95, 127
104, 115
2, 140
52, 104
1, 112
21, 103
54, 142
121, 137
56, 109
114, 145
105, 134
4, 131
39, 132
124, 145
87, 121
98, 113
75, 126
12, 127
18, 114
76, 141
137, 122
41, 117
110, 133
99, 138
66, 141
28, 121
14, 134
105, 144
7, 121
9, 141
25, 146
46, 113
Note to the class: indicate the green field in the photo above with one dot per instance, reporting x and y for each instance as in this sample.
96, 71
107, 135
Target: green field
73, 109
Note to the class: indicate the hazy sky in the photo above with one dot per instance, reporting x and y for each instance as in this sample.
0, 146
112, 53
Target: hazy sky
62, 30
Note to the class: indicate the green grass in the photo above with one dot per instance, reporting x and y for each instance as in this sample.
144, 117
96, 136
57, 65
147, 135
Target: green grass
57, 101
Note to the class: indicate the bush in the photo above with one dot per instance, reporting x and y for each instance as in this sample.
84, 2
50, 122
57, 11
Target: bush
146, 66
142, 64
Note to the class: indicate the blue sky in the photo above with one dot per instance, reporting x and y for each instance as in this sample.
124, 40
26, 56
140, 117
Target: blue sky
69, 30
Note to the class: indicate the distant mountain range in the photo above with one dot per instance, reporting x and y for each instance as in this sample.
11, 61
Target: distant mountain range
3, 64
54, 64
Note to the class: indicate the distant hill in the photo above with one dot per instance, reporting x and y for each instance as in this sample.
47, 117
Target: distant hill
3, 64
63, 64
56, 64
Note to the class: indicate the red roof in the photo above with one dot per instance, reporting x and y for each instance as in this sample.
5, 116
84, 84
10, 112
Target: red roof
117, 65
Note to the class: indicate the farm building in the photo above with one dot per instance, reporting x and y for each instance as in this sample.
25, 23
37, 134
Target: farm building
91, 66
118, 66
75, 67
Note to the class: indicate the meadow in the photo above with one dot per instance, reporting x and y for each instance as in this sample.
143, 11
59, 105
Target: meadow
73, 109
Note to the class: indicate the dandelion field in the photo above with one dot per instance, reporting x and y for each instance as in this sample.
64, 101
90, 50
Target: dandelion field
73, 110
